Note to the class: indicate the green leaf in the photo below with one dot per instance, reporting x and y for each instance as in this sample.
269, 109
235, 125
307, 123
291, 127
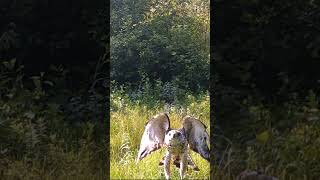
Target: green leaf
29, 115
48, 82
37, 82
263, 137
42, 74
10, 65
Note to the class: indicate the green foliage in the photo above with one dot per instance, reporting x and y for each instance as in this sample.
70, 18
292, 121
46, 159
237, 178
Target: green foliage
159, 62
39, 140
166, 41
267, 47
51, 104
281, 141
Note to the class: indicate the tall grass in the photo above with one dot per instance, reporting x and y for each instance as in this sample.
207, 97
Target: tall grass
127, 121
281, 140
37, 143
45, 138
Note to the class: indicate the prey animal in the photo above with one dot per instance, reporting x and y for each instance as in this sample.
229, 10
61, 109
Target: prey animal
192, 135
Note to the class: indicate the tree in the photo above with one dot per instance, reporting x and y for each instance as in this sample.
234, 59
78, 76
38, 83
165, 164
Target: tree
162, 40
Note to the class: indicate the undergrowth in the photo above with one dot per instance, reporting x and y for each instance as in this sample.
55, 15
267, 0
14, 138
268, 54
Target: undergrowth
128, 117
280, 140
38, 137
47, 132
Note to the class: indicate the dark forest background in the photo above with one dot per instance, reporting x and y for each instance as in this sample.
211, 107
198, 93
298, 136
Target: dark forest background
265, 85
54, 83
54, 89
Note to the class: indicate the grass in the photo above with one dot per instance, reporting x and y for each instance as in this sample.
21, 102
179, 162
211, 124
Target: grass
127, 122
37, 142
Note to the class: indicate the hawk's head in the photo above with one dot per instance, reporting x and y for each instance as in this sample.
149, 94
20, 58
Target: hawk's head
175, 140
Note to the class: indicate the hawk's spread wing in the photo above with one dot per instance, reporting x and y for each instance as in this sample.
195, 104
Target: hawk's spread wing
154, 134
197, 136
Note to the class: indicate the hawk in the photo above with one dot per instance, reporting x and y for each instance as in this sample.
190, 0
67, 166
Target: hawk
158, 134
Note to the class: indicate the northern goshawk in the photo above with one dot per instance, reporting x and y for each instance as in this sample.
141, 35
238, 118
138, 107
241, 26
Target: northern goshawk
158, 134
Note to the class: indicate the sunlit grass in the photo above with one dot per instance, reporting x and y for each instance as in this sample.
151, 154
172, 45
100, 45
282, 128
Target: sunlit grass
126, 129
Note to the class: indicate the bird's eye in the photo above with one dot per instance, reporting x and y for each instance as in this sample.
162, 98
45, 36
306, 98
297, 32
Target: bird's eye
178, 134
